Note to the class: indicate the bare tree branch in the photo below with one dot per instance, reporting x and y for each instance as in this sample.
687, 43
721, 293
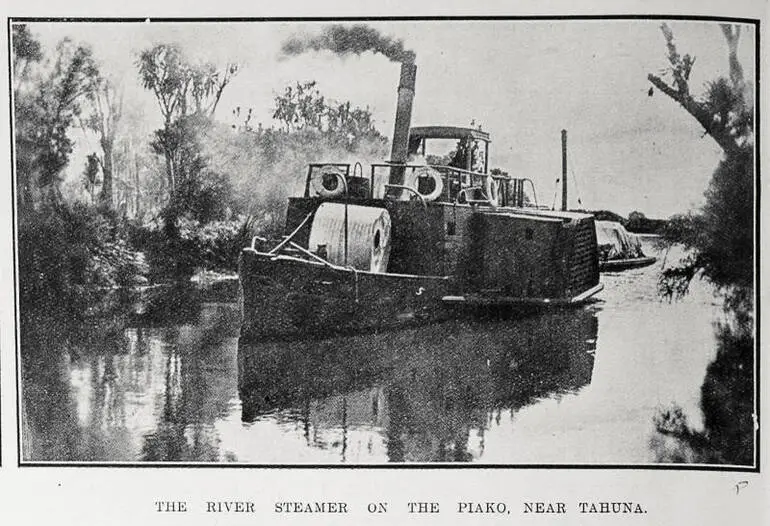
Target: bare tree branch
715, 121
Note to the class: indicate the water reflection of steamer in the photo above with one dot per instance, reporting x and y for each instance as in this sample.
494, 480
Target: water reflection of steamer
428, 393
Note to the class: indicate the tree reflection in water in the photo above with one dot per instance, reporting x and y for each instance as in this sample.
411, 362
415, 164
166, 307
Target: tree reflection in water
197, 388
140, 376
727, 401
51, 339
429, 392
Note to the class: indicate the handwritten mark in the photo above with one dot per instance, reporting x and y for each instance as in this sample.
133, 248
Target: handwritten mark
740, 485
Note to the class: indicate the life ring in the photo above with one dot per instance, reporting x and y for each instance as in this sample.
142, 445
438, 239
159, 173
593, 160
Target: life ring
438, 183
332, 182
490, 191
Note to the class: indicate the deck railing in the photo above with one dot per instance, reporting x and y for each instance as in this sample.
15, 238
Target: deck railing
459, 185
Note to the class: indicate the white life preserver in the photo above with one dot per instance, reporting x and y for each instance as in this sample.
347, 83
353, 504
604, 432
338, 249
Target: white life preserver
490, 191
438, 183
330, 191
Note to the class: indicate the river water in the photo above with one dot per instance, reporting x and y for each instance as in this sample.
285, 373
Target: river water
166, 380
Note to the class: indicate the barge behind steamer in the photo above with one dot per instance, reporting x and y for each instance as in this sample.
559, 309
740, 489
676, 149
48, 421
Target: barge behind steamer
411, 242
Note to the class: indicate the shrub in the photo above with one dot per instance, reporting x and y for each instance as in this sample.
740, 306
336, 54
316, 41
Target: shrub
64, 247
193, 246
216, 245
721, 235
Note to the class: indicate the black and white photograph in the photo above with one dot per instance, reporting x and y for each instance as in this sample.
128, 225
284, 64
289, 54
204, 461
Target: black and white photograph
381, 242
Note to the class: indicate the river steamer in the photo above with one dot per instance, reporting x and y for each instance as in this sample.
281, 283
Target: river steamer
412, 241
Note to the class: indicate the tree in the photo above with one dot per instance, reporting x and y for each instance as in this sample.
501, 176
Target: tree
26, 51
45, 110
720, 235
139, 172
163, 70
636, 222
720, 239
106, 102
91, 174
726, 113
63, 246
300, 107
352, 123
181, 89
303, 108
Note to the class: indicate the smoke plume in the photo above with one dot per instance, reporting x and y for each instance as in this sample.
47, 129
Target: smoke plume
346, 40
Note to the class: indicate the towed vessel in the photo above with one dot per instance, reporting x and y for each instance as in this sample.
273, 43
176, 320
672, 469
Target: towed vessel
619, 249
413, 241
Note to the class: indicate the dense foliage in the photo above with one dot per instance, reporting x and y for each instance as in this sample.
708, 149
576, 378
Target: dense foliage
47, 103
164, 204
721, 235
214, 245
68, 247
63, 247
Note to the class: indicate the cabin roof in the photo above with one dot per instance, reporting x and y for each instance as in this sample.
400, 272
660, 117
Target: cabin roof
447, 132
544, 212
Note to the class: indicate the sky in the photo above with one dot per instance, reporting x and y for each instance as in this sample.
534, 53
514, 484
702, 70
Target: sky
522, 81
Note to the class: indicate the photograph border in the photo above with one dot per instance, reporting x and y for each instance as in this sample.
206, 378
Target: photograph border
755, 22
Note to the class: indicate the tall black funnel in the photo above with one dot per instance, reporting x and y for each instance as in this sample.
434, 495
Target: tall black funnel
399, 152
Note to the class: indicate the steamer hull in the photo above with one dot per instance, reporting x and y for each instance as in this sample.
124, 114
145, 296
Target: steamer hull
285, 297
508, 260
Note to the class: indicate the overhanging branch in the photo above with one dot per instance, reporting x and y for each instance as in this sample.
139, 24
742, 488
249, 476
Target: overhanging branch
700, 112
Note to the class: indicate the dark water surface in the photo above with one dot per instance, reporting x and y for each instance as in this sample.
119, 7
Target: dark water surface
166, 380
